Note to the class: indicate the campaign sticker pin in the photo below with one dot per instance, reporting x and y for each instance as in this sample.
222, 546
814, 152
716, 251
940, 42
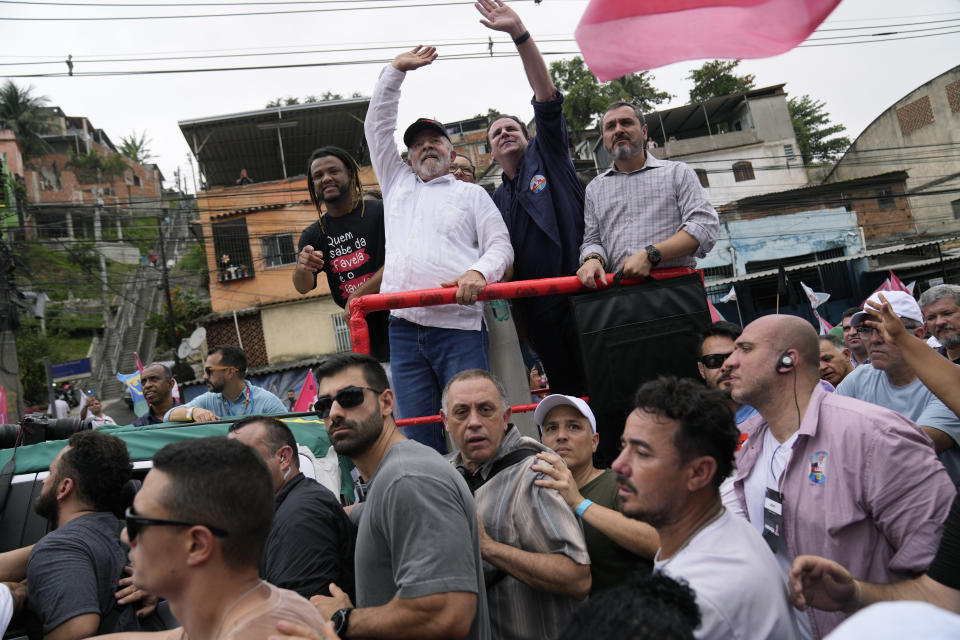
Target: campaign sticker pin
538, 183
818, 467
741, 440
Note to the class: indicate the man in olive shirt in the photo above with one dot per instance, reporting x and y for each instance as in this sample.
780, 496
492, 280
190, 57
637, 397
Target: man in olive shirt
618, 546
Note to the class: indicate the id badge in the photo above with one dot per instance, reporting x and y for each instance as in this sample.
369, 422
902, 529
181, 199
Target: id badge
773, 520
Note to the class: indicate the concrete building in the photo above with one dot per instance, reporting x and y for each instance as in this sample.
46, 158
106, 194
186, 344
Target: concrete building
252, 208
919, 133
740, 145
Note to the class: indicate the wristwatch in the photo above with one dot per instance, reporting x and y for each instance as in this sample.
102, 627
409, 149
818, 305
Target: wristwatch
653, 255
340, 620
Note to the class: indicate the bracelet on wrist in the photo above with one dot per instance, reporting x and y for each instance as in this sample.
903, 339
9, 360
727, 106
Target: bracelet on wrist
523, 37
583, 506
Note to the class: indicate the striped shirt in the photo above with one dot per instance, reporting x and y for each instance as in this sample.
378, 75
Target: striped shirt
625, 212
516, 512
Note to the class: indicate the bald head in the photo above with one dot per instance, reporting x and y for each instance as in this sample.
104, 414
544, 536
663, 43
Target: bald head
784, 332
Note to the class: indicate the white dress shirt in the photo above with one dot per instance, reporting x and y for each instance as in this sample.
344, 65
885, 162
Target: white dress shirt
435, 231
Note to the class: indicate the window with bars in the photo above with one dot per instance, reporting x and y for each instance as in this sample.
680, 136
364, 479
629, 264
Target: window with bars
278, 250
702, 177
742, 171
232, 246
341, 332
885, 198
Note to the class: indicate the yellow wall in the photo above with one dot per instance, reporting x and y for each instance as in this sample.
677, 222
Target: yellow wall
299, 329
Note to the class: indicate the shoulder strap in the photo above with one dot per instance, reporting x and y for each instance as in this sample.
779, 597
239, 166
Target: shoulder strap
509, 460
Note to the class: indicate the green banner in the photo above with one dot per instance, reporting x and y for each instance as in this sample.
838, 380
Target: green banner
143, 442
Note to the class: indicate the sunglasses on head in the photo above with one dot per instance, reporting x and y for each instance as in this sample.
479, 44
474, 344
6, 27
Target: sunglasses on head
348, 398
714, 360
135, 523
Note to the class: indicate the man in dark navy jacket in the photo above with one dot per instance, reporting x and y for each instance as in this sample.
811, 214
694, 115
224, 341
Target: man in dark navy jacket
541, 199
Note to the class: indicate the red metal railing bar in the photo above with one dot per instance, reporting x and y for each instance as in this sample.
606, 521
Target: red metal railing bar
361, 306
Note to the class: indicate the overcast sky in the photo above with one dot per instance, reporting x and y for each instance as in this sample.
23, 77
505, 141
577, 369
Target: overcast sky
857, 81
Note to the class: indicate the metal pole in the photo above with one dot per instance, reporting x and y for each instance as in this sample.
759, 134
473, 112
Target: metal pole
166, 288
283, 161
50, 394
98, 237
236, 325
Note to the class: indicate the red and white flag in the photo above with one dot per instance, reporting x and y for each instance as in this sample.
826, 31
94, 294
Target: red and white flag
308, 394
714, 314
618, 38
3, 406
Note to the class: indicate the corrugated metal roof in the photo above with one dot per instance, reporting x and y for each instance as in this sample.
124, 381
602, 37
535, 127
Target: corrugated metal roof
869, 253
226, 144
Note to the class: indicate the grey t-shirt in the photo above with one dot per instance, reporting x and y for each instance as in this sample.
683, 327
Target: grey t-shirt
74, 571
417, 533
914, 401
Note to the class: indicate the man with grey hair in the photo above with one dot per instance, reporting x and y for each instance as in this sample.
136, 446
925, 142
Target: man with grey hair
643, 213
890, 382
835, 364
536, 562
941, 312
441, 232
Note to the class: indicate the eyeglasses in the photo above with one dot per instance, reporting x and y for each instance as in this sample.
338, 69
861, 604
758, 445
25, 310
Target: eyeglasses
209, 370
464, 170
348, 398
714, 360
135, 523
866, 331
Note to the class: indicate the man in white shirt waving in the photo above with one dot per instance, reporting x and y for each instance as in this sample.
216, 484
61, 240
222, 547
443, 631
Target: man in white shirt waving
439, 232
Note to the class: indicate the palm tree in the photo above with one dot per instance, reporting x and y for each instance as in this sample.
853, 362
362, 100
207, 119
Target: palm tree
26, 115
135, 148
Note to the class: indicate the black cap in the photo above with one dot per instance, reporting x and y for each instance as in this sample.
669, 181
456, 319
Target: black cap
423, 124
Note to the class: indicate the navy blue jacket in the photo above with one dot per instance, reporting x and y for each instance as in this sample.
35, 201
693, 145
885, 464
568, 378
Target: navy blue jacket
543, 205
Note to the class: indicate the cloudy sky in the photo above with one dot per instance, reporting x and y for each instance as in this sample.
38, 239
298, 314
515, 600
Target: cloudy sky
857, 81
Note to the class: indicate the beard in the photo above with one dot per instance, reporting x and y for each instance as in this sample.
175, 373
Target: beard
45, 505
334, 197
952, 341
630, 150
430, 165
215, 387
361, 436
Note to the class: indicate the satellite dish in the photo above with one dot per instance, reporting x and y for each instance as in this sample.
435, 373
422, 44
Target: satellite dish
197, 337
184, 349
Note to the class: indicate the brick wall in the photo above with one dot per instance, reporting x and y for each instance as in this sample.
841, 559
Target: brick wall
223, 331
915, 115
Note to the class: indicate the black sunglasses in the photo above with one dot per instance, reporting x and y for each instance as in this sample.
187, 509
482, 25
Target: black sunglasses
714, 360
348, 397
135, 523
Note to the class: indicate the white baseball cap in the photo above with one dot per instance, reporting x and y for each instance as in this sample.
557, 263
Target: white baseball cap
902, 303
552, 401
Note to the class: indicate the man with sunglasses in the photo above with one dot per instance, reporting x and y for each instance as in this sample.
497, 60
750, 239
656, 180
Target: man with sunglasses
890, 382
230, 393
73, 571
196, 532
716, 345
417, 561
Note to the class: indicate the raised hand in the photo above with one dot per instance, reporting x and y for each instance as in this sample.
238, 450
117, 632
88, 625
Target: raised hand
419, 56
885, 320
500, 17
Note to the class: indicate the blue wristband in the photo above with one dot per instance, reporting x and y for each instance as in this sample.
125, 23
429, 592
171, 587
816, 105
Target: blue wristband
583, 507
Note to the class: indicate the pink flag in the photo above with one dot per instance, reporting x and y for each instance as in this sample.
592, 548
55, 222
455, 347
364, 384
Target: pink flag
618, 38
714, 314
824, 325
3, 406
139, 364
175, 391
308, 394
896, 284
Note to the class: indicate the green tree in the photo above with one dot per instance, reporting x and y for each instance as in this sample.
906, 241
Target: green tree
585, 99
136, 148
32, 348
93, 167
817, 137
26, 115
187, 307
717, 78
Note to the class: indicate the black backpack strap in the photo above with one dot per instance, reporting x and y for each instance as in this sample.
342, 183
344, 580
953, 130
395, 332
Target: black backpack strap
509, 460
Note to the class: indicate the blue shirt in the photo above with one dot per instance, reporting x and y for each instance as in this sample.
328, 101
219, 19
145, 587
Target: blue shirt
744, 413
543, 205
252, 401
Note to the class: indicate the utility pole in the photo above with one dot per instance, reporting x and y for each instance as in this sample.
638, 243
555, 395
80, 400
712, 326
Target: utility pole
98, 238
166, 287
196, 187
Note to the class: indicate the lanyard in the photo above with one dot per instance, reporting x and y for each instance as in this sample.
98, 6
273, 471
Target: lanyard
246, 402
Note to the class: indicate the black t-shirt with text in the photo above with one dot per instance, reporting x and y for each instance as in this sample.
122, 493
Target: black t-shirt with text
353, 248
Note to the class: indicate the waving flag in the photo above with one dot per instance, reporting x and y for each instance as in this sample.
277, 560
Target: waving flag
618, 38
816, 298
3, 406
132, 382
308, 394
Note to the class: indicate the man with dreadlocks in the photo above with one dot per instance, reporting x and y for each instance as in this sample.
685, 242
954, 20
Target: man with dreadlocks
346, 242
441, 232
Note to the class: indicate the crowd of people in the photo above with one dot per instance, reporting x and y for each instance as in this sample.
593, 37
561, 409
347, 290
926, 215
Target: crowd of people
803, 478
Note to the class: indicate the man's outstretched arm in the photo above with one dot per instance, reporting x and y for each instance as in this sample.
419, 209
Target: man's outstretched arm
500, 17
